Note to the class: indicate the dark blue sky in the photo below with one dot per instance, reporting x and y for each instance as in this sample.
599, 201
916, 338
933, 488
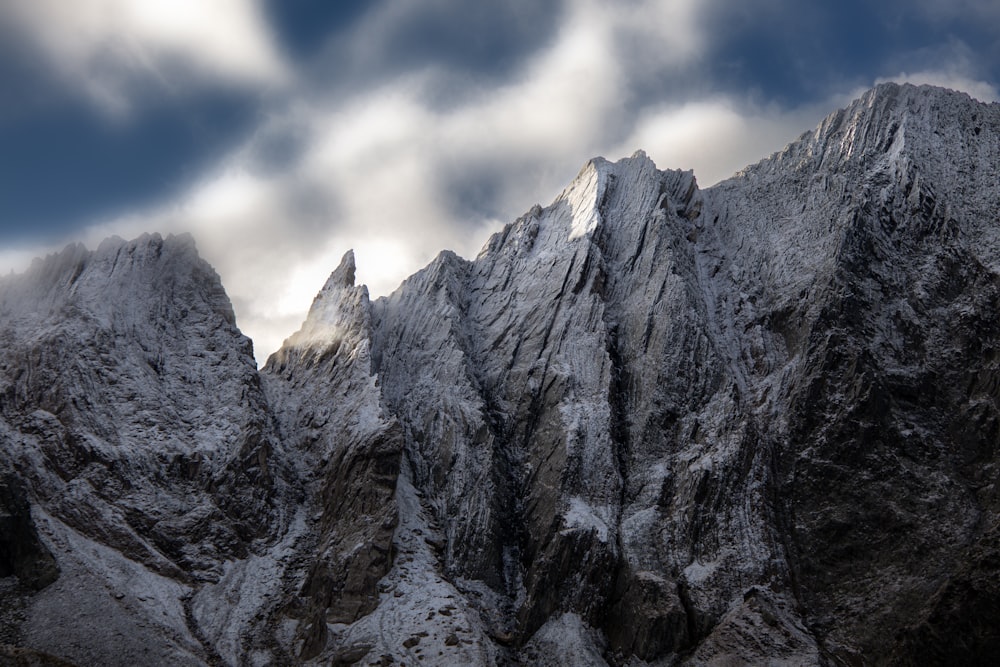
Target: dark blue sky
293, 128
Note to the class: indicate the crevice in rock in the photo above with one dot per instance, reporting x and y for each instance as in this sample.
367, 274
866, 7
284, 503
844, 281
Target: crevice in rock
210, 654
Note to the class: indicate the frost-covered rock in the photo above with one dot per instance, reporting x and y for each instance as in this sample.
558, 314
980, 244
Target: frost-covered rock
648, 424
131, 410
328, 407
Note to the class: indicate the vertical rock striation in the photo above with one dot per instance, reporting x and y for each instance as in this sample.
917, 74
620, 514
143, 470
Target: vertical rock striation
327, 400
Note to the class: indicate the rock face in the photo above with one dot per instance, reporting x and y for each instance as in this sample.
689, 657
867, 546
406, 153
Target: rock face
132, 413
328, 404
649, 424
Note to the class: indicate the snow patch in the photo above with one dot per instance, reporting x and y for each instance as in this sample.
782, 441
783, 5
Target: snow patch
583, 197
224, 610
566, 640
582, 516
698, 571
101, 597
421, 618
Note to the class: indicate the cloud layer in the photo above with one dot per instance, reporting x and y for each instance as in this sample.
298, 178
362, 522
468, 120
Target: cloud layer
400, 162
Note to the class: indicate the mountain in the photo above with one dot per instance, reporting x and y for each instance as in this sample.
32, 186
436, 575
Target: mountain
650, 423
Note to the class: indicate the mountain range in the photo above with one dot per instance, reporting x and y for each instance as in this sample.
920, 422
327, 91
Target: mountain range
650, 424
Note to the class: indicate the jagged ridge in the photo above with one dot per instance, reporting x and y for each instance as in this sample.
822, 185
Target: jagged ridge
752, 423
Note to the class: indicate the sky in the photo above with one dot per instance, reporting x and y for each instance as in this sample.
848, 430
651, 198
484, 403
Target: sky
282, 133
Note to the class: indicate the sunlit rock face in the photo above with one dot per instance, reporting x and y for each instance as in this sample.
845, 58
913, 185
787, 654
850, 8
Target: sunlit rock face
648, 424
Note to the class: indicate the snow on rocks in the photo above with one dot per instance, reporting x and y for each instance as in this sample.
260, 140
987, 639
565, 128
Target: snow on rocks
648, 424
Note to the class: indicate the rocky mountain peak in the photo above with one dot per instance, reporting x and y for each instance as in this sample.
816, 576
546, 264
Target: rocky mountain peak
343, 275
339, 320
90, 279
582, 199
888, 124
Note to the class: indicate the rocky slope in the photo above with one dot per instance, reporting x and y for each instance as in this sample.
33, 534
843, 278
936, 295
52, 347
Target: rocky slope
649, 424
134, 423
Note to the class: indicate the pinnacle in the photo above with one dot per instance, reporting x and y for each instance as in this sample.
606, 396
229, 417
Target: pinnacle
343, 275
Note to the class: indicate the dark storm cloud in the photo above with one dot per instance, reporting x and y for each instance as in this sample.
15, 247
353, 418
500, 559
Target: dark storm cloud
304, 26
64, 165
18, 66
482, 42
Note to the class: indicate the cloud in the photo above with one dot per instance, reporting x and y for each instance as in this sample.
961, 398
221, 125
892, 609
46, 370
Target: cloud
398, 176
717, 136
109, 50
488, 38
16, 260
952, 63
428, 157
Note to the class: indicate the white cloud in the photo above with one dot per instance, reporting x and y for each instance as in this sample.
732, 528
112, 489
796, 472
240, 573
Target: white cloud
106, 49
709, 136
16, 260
